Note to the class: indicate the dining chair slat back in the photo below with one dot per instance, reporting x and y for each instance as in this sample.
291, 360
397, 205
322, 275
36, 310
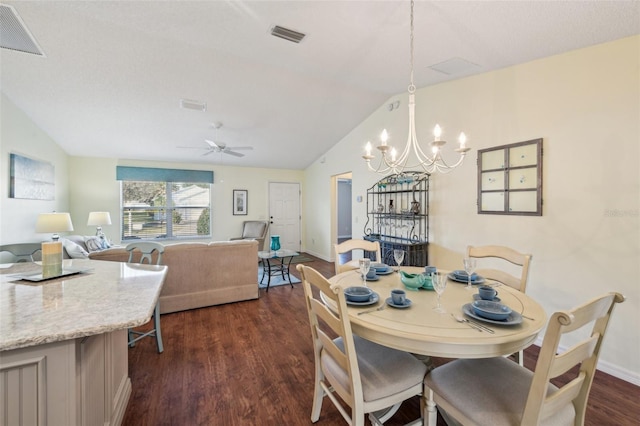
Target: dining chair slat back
497, 391
366, 376
348, 246
506, 254
151, 253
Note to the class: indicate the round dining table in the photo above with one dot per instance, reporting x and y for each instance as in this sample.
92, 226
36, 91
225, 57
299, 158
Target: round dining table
419, 329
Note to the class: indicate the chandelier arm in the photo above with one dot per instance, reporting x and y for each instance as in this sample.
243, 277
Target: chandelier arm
427, 162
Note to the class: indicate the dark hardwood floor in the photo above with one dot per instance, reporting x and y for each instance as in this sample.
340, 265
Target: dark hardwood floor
251, 363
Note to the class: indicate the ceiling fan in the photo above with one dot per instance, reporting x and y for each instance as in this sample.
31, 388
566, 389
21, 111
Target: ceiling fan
213, 146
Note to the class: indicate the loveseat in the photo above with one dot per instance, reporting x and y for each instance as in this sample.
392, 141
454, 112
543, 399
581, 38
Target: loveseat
202, 274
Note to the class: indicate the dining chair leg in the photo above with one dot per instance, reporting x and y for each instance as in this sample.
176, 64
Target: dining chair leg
430, 416
156, 321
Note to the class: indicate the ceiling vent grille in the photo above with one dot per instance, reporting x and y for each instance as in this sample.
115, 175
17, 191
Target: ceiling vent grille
287, 34
195, 105
14, 34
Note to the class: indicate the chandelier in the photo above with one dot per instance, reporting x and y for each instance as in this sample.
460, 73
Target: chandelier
391, 162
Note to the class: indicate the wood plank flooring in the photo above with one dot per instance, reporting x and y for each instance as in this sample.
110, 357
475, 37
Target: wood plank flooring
251, 363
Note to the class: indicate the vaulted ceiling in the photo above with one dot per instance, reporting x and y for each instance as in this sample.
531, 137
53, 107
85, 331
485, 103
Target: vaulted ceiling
114, 73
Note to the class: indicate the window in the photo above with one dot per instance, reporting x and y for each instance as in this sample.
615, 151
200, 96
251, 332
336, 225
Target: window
155, 204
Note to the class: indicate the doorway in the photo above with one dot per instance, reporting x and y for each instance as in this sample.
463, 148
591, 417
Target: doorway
341, 222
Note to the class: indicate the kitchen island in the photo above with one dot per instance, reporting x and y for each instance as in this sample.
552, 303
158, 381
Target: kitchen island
63, 342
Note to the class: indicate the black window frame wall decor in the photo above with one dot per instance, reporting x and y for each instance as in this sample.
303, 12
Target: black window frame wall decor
510, 179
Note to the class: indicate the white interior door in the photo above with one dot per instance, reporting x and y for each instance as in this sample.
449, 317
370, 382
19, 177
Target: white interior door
284, 213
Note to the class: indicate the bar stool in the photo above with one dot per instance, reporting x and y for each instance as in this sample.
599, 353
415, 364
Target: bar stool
146, 250
23, 252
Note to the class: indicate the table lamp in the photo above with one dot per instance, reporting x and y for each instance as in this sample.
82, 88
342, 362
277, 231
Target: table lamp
52, 223
98, 219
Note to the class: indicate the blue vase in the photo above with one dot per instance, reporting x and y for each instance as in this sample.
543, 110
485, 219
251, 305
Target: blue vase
275, 242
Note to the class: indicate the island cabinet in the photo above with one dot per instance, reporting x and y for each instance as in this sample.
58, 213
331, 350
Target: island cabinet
81, 381
398, 217
63, 341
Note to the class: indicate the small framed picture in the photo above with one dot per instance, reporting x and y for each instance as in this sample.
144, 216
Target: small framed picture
240, 201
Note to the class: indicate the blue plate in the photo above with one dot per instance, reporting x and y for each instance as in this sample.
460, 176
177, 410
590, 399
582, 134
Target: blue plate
477, 297
372, 300
393, 305
376, 278
479, 279
514, 318
462, 275
384, 271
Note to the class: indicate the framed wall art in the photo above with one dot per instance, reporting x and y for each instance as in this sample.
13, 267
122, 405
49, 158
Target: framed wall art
31, 179
510, 179
240, 201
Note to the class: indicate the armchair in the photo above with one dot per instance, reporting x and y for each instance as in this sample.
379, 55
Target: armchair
254, 230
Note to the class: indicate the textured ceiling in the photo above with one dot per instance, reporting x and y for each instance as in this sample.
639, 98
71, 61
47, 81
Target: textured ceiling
115, 72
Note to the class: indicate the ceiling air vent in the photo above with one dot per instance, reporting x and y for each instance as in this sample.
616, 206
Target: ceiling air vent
14, 34
195, 105
287, 34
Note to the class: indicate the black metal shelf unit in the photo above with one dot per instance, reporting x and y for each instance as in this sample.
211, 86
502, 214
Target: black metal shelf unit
398, 217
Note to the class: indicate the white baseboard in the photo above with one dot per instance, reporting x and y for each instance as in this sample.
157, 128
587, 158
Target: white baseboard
318, 255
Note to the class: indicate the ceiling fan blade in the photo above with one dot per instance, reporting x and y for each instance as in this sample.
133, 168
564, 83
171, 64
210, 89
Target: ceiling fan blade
235, 154
211, 151
240, 148
192, 147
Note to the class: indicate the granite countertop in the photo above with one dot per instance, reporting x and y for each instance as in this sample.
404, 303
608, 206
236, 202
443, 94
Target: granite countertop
108, 296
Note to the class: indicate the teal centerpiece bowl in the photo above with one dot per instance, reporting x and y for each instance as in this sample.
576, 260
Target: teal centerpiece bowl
412, 281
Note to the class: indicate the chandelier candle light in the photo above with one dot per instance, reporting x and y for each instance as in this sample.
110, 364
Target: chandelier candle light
392, 163
52, 223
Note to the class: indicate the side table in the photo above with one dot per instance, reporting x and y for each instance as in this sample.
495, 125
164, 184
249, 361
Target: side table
276, 263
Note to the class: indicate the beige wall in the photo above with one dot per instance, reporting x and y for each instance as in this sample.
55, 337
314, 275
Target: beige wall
585, 105
94, 188
19, 135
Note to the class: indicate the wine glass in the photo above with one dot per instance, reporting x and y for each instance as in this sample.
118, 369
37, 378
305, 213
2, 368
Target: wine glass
364, 264
439, 282
469, 268
398, 255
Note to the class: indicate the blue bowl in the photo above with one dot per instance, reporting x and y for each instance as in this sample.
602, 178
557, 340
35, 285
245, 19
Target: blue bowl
491, 310
358, 293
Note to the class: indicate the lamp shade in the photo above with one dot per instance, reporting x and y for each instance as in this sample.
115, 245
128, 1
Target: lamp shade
49, 223
99, 219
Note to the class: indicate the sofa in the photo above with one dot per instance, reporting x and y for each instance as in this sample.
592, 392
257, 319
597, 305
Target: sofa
202, 274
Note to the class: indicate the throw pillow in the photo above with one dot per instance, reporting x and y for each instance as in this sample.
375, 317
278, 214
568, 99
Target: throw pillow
93, 243
74, 250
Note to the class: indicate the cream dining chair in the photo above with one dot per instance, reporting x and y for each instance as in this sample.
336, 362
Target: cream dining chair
368, 377
497, 391
502, 256
348, 247
144, 252
505, 254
